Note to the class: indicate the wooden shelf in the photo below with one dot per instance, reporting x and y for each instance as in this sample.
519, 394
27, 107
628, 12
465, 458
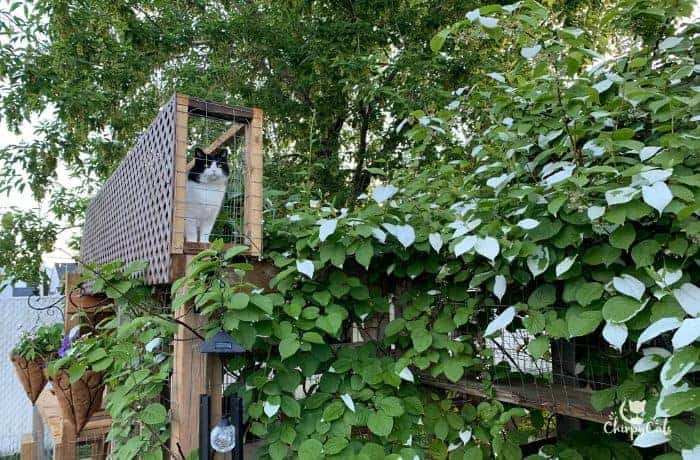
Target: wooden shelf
557, 398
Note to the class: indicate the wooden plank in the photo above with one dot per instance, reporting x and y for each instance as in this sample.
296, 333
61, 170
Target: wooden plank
28, 448
556, 398
180, 176
224, 137
253, 202
188, 382
211, 109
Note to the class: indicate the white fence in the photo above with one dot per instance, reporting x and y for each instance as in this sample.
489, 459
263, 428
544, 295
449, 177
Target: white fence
15, 408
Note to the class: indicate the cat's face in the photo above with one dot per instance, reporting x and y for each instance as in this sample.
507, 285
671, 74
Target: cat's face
210, 168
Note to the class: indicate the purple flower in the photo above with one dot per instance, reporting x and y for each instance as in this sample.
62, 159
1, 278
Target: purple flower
65, 345
73, 334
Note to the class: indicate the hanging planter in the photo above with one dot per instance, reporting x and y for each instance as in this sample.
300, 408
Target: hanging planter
81, 399
30, 355
30, 374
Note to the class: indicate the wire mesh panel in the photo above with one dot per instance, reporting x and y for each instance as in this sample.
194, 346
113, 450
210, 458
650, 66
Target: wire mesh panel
560, 375
215, 187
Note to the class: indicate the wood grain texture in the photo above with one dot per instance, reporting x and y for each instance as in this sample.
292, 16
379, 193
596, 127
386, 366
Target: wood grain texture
253, 202
224, 137
559, 399
188, 382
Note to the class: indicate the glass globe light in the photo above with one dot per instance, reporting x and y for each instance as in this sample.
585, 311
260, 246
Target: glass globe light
223, 436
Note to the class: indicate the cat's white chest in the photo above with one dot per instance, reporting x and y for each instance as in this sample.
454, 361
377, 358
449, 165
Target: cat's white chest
202, 204
204, 199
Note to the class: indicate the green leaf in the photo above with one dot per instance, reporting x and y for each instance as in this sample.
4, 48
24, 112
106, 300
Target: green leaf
543, 296
380, 424
333, 411
262, 302
154, 414
538, 347
582, 322
239, 301
394, 327
645, 252
102, 364
235, 251
677, 403
534, 322
422, 339
438, 40
277, 451
290, 406
602, 254
289, 346
96, 355
603, 398
620, 308
390, 405
453, 370
364, 254
311, 449
335, 445
623, 237
75, 372
312, 337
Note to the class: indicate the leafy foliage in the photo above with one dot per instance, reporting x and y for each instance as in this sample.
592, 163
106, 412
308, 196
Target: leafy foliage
40, 344
574, 203
130, 347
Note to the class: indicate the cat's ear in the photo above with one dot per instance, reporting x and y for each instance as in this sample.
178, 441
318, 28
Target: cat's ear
223, 153
199, 153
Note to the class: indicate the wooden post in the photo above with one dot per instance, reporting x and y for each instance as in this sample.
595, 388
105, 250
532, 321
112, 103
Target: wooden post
189, 381
180, 176
28, 449
253, 203
66, 447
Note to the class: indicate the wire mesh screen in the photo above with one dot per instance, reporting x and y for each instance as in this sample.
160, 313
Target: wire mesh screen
215, 190
561, 375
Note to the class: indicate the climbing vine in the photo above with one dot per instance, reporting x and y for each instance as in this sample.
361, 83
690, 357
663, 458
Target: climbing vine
126, 338
571, 212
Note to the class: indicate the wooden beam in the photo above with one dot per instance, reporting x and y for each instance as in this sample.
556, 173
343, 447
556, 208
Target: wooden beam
224, 137
188, 382
559, 399
180, 176
253, 202
210, 109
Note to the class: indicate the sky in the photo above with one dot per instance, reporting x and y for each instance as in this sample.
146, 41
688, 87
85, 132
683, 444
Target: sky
20, 200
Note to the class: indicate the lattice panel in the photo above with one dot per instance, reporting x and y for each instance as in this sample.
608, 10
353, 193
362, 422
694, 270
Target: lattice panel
131, 217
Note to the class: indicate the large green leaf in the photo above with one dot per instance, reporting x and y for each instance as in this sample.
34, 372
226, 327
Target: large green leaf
380, 424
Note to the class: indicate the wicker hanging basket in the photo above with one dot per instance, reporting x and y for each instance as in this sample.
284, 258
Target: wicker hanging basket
31, 375
79, 400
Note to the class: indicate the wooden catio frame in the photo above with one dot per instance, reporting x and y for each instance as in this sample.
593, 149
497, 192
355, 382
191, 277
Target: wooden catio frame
139, 214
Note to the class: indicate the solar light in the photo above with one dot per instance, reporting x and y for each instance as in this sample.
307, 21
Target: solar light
227, 435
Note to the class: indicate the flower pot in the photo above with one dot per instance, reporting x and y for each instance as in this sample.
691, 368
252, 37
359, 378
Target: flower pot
79, 400
31, 375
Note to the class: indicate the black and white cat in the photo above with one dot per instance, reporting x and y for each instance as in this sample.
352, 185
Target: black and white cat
206, 188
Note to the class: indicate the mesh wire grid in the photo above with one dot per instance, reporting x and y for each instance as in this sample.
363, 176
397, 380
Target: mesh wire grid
203, 130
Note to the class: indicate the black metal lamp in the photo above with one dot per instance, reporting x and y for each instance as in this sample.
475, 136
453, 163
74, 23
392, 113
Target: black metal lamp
227, 435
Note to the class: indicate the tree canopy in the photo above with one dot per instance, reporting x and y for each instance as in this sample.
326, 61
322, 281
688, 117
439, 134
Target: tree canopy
336, 81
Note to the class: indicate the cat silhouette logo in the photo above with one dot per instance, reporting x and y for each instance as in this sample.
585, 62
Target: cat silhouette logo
635, 415
630, 418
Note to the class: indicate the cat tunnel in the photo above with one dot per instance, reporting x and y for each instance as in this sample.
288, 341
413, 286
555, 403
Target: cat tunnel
140, 212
